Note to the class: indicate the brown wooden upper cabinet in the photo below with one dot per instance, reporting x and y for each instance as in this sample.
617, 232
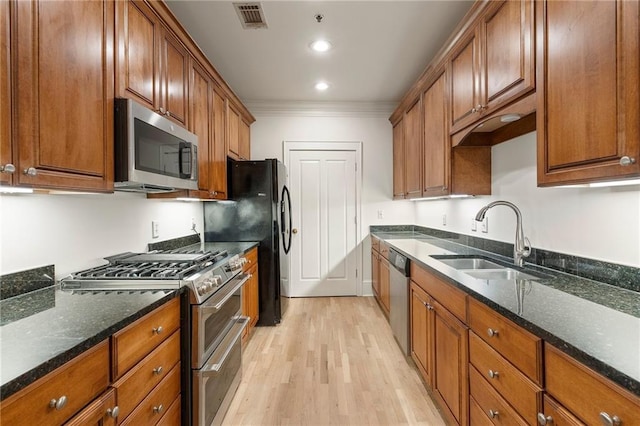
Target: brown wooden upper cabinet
245, 140
588, 125
63, 112
413, 137
218, 158
398, 160
493, 64
238, 134
436, 141
7, 168
152, 63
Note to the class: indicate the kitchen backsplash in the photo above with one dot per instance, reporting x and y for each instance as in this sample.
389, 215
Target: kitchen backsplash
611, 273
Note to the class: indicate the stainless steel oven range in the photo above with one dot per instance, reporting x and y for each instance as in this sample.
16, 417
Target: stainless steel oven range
211, 312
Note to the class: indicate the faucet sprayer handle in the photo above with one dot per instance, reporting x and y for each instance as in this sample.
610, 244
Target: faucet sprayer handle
527, 248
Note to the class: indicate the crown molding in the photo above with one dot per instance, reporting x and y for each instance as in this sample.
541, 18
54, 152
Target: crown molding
320, 109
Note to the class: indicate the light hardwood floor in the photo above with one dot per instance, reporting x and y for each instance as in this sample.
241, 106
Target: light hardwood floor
332, 361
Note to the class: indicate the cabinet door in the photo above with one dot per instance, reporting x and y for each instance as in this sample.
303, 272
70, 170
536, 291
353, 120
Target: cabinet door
384, 285
175, 78
64, 96
451, 342
245, 140
422, 332
464, 69
5, 97
101, 412
508, 54
218, 164
137, 64
375, 274
436, 141
201, 115
588, 57
233, 130
398, 160
413, 150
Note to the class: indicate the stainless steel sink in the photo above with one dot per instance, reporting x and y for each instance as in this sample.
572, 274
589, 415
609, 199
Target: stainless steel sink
483, 269
471, 263
500, 274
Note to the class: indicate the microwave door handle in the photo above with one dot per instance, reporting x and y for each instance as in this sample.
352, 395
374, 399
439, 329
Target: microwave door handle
194, 163
181, 153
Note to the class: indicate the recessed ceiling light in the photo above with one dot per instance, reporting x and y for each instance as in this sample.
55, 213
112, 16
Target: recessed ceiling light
320, 45
322, 86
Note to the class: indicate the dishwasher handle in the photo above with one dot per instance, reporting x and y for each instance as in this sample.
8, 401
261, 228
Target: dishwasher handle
399, 261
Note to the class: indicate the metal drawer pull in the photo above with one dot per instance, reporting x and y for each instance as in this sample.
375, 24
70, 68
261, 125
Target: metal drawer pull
627, 161
59, 403
544, 420
113, 412
158, 409
493, 374
493, 414
31, 171
157, 330
492, 333
8, 168
608, 420
157, 370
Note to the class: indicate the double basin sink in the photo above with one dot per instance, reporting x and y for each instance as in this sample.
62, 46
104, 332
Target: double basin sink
485, 269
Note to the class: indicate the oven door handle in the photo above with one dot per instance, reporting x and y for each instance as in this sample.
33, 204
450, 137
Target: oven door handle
227, 296
236, 332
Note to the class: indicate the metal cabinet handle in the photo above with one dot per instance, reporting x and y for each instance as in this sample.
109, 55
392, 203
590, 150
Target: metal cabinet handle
8, 168
158, 409
608, 420
492, 333
493, 414
31, 171
168, 114
474, 109
493, 374
113, 412
157, 370
544, 420
158, 330
627, 161
59, 403
161, 110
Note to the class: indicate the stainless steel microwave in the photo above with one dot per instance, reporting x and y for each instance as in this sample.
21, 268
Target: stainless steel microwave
152, 154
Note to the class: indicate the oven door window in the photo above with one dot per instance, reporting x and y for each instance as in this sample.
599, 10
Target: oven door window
160, 152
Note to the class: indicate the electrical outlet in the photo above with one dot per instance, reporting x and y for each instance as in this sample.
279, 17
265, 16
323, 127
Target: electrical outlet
380, 214
444, 220
155, 229
485, 225
474, 225
193, 224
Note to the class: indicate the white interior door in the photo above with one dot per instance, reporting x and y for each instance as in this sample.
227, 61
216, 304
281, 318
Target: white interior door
323, 192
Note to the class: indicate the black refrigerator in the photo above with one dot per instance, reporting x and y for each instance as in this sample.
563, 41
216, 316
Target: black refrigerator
259, 209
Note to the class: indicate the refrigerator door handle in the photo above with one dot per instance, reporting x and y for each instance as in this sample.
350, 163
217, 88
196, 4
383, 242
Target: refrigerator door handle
286, 242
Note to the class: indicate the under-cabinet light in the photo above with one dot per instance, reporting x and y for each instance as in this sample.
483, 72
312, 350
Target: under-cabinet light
443, 197
605, 184
187, 199
15, 190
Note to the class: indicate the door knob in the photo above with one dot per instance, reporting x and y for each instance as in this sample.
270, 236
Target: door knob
294, 230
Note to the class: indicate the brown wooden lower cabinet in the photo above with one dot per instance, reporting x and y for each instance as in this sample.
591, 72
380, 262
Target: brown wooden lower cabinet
250, 293
385, 302
375, 273
421, 318
556, 415
101, 412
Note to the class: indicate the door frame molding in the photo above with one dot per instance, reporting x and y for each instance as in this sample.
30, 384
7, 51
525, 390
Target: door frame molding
288, 146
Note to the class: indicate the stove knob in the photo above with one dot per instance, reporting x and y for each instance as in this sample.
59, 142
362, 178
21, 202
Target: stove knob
217, 280
201, 289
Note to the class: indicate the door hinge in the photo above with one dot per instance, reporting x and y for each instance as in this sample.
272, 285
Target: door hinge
356, 164
355, 220
356, 273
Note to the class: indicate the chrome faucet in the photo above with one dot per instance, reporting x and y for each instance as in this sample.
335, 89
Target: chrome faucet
522, 246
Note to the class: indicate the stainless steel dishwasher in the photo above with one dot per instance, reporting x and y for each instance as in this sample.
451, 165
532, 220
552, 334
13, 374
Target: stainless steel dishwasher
399, 299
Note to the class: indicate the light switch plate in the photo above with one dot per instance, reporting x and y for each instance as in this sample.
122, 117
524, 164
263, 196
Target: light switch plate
155, 229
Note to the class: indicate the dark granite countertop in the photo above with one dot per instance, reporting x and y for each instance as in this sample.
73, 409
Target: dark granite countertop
54, 326
596, 323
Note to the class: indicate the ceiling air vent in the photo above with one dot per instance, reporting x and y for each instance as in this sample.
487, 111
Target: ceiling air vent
251, 15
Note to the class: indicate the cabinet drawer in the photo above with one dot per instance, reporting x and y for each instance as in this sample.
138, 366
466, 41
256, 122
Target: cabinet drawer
134, 342
173, 415
134, 386
98, 412
79, 381
252, 259
522, 393
521, 348
384, 250
586, 393
447, 295
375, 243
556, 415
155, 405
477, 417
490, 401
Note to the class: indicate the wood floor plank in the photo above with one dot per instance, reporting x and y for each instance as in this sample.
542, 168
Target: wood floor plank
332, 361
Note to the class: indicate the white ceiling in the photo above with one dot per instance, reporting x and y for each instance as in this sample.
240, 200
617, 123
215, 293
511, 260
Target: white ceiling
379, 47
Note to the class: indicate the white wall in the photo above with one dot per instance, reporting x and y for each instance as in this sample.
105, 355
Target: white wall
597, 223
74, 232
372, 129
